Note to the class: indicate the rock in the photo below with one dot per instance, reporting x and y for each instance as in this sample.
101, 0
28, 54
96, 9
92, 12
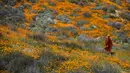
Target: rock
64, 18
87, 15
116, 25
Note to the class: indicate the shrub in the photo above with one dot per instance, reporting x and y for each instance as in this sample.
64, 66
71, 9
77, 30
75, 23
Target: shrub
15, 62
125, 15
75, 12
33, 1
52, 3
117, 1
97, 8
12, 16
81, 23
87, 15
125, 46
71, 29
38, 36
105, 67
111, 9
64, 18
74, 1
77, 1
51, 60
106, 16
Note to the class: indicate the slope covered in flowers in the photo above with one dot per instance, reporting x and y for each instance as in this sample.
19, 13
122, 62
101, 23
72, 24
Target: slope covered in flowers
73, 42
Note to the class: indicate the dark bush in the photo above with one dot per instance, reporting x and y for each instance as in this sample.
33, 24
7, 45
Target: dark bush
87, 15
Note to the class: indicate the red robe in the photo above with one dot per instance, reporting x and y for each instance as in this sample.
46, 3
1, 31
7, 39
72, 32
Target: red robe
108, 44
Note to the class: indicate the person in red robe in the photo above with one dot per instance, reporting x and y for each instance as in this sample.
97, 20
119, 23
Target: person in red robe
108, 44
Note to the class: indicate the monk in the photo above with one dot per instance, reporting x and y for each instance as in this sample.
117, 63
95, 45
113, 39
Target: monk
108, 44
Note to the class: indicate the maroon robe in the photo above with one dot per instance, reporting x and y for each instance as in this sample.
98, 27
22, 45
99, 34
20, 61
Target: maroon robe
108, 44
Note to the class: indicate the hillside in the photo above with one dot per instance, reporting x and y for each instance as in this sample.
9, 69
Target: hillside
64, 36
